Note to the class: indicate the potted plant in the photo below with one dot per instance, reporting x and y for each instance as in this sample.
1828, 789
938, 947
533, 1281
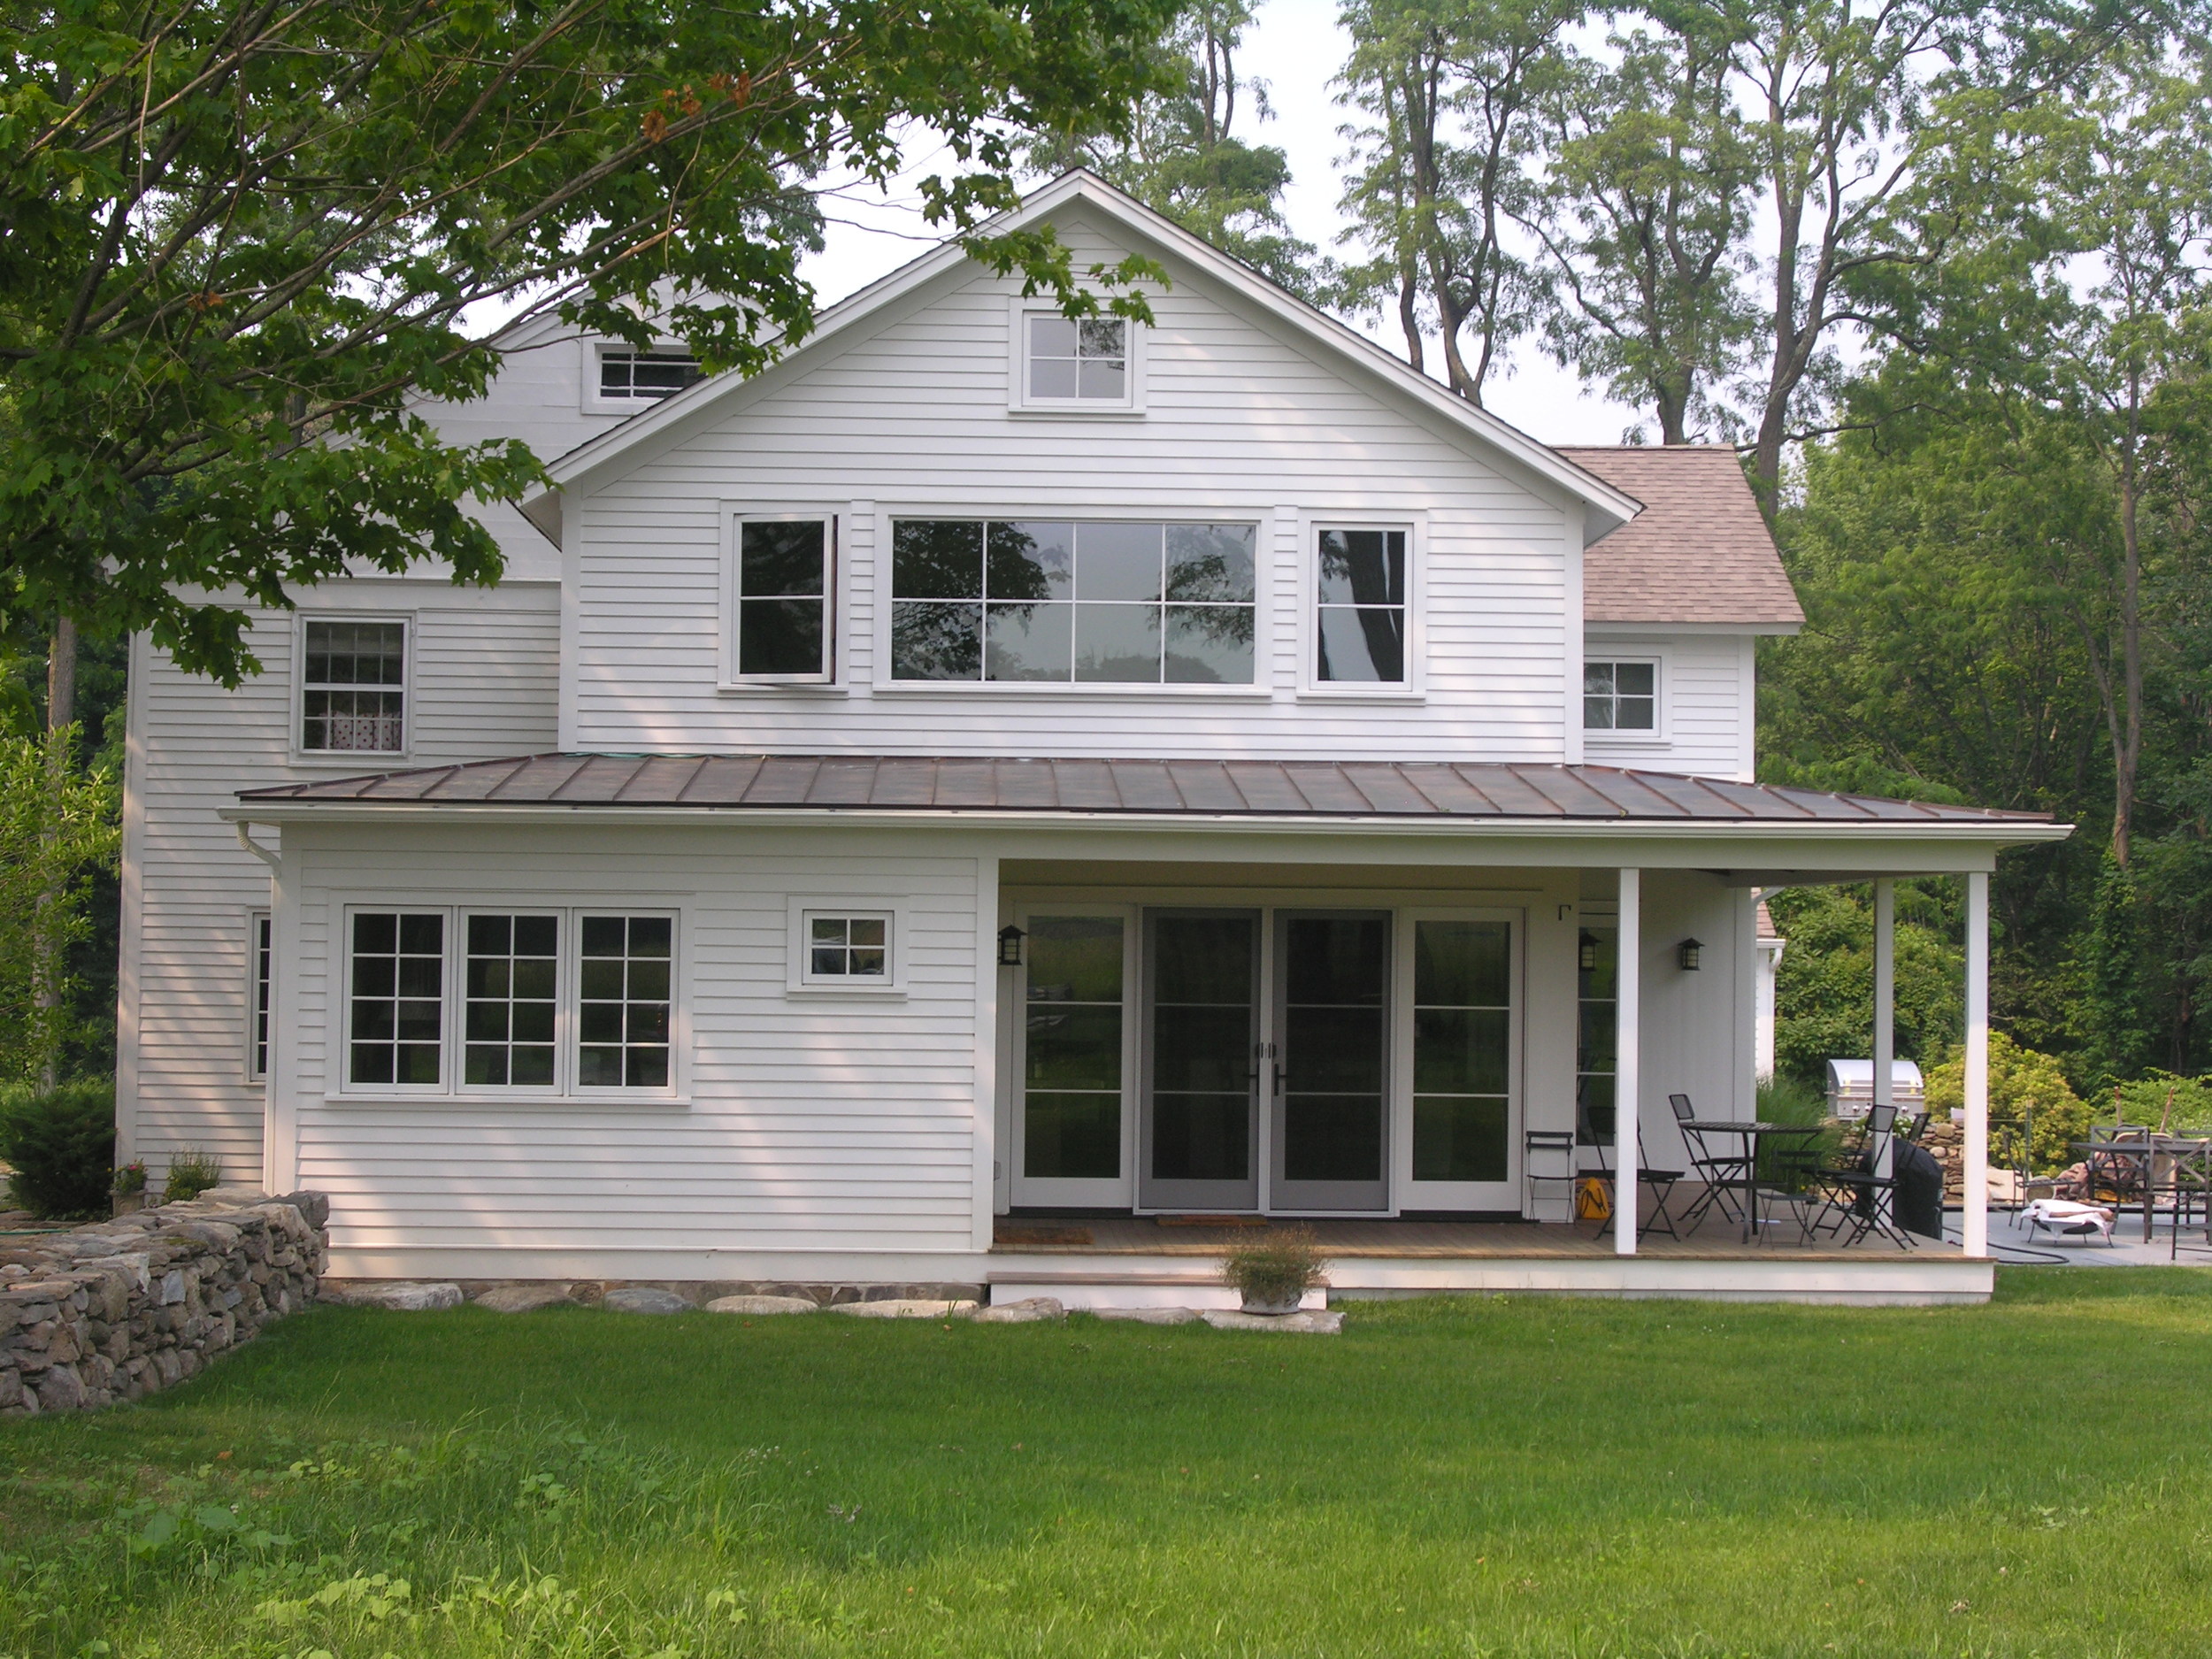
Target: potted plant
130, 1187
1274, 1274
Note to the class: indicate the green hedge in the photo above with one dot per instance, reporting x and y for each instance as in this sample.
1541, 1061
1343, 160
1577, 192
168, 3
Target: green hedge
61, 1145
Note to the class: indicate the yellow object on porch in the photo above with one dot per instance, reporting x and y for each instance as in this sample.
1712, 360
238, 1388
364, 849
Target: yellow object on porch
1594, 1199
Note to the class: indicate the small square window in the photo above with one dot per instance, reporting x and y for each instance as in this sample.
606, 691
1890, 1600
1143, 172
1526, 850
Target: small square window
1620, 697
353, 688
845, 950
1077, 359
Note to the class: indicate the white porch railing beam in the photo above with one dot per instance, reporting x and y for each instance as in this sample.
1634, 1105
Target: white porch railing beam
1627, 1069
1974, 1216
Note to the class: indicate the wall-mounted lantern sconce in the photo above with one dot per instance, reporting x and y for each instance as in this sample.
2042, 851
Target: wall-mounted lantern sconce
1688, 953
1009, 946
1589, 953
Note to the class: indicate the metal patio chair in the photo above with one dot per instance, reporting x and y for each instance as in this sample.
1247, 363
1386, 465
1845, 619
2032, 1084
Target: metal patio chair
1547, 1159
1856, 1195
1722, 1174
1659, 1183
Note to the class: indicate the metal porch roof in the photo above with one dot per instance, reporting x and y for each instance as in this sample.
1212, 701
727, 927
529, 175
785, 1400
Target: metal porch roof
1426, 790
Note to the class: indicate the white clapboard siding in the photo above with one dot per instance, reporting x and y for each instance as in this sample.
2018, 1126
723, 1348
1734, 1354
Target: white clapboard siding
486, 683
1240, 420
1708, 684
811, 1123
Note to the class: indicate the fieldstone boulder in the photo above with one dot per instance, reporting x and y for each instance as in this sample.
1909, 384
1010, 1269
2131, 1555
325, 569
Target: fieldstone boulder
643, 1299
402, 1296
1310, 1322
1029, 1311
762, 1305
905, 1308
525, 1298
1146, 1315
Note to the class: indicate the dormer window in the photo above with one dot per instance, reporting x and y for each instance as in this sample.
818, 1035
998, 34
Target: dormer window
626, 376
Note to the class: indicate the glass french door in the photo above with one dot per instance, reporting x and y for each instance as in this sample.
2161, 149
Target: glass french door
1330, 1080
1459, 1035
1070, 1136
1197, 1149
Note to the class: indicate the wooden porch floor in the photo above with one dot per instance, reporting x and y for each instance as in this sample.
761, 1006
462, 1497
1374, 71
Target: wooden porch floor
1716, 1239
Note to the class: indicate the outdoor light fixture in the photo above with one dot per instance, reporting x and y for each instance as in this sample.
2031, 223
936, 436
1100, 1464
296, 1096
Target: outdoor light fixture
1589, 953
1009, 946
1688, 954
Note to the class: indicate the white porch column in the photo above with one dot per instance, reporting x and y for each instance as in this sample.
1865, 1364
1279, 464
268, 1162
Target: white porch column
1884, 1012
1627, 1079
1974, 1217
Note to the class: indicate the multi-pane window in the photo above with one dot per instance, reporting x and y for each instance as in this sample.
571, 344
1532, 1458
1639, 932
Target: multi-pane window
623, 1001
650, 375
264, 949
1463, 1015
1106, 604
354, 687
512, 981
1360, 594
843, 950
1080, 359
1598, 1040
783, 597
1620, 696
1071, 1077
396, 1025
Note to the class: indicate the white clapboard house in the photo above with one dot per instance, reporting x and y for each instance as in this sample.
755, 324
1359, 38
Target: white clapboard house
988, 787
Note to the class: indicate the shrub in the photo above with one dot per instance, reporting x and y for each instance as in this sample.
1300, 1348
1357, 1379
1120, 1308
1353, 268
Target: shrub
1282, 1266
2021, 1081
131, 1177
61, 1145
190, 1174
2181, 1104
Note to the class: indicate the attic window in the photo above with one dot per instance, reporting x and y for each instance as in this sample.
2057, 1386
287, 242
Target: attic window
1078, 360
646, 374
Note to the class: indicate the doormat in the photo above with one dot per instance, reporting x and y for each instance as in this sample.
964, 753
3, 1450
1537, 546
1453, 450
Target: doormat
1004, 1235
1211, 1221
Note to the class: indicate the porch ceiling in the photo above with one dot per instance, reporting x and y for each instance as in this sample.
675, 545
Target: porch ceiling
1401, 791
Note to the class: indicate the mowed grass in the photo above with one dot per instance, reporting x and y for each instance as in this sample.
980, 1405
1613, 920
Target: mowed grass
1461, 1477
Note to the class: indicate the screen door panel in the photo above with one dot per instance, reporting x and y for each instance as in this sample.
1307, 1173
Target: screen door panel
1202, 1018
1330, 1088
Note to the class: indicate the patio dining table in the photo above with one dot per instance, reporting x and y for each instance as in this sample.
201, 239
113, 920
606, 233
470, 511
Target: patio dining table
1752, 1130
2130, 1164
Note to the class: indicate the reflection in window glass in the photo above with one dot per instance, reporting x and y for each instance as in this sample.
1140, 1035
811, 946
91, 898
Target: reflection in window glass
1078, 359
1360, 589
1072, 1094
848, 947
1101, 603
783, 597
1620, 696
1462, 1025
623, 1003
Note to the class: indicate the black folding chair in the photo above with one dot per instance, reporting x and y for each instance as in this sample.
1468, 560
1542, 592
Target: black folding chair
1722, 1175
1856, 1195
1547, 1159
1659, 1183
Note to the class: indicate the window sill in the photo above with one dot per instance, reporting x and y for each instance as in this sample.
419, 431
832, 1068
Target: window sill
782, 687
353, 760
1066, 688
1070, 411
518, 1102
844, 992
1362, 694
1613, 740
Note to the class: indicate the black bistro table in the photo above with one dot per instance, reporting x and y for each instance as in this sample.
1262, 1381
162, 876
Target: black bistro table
1752, 1130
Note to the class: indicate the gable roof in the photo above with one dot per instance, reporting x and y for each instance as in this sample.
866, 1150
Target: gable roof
1606, 504
1700, 551
1430, 791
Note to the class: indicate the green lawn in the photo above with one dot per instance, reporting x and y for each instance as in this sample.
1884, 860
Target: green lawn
1467, 1477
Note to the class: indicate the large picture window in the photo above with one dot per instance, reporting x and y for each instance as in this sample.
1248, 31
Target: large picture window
1080, 602
1360, 597
353, 688
783, 604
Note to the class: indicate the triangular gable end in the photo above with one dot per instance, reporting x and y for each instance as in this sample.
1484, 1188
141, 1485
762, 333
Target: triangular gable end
1606, 507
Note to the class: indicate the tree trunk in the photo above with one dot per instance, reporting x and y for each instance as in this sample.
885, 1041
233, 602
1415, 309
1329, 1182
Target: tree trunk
61, 707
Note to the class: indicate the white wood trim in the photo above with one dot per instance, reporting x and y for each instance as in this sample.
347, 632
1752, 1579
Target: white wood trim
1974, 1211
1627, 1068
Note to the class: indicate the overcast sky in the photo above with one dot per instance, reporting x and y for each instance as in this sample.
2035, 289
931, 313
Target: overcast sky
1296, 47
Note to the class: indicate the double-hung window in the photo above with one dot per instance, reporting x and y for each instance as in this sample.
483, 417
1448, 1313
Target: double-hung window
353, 688
551, 1001
1088, 602
782, 593
1360, 607
1621, 696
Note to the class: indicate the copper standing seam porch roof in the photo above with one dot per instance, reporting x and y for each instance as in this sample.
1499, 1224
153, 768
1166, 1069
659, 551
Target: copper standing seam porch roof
1268, 788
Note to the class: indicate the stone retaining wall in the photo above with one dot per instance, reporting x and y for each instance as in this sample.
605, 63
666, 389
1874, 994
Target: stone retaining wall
120, 1309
